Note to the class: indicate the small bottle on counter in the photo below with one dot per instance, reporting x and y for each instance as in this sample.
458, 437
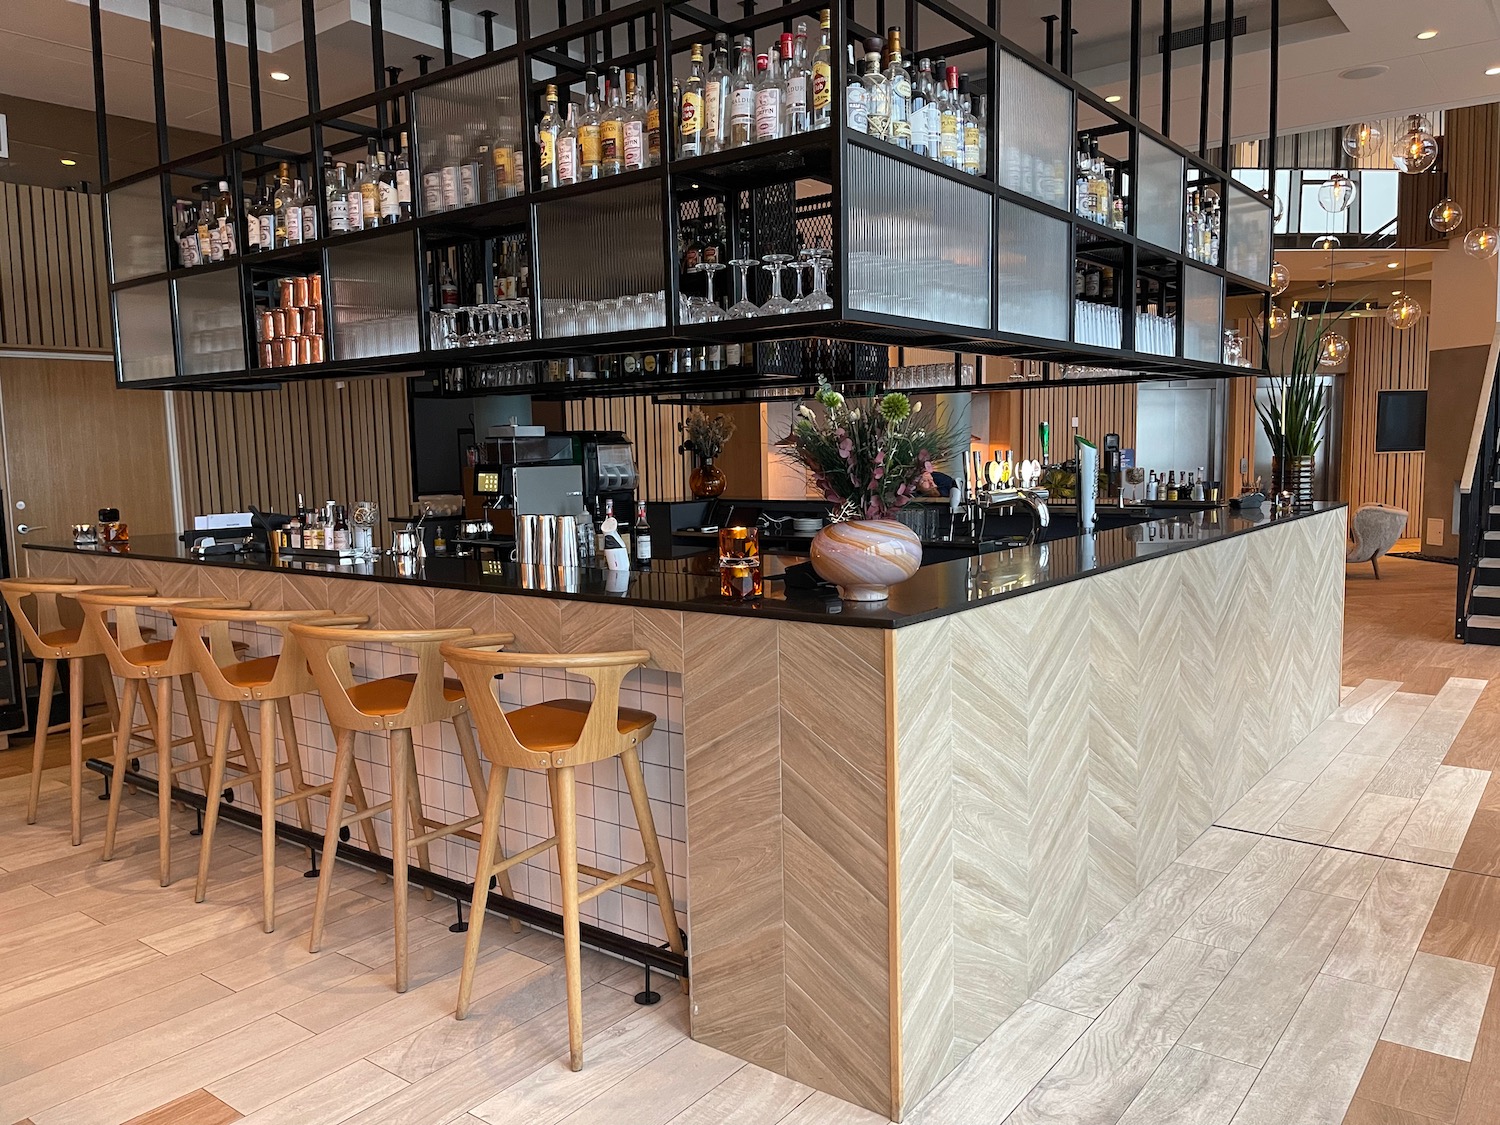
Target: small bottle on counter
341, 530
1152, 486
1172, 485
642, 533
294, 533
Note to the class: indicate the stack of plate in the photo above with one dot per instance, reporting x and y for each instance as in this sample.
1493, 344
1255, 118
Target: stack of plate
804, 526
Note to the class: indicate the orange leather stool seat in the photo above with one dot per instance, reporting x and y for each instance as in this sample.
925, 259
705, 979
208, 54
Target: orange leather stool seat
390, 696
557, 725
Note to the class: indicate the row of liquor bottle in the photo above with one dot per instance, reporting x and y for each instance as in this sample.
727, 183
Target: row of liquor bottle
1168, 485
1096, 196
930, 113
1204, 225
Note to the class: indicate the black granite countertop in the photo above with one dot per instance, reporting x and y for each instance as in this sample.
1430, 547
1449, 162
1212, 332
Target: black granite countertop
692, 584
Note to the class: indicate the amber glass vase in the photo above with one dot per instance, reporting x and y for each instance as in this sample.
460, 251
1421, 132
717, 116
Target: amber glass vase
706, 480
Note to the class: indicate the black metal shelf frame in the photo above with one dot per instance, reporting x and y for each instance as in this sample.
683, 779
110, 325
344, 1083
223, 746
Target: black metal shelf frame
823, 155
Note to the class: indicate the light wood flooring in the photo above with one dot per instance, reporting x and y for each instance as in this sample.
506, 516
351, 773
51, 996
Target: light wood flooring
1268, 977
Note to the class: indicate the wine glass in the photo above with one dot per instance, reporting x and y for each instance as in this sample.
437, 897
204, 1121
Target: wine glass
820, 258
1135, 476
744, 308
706, 309
776, 304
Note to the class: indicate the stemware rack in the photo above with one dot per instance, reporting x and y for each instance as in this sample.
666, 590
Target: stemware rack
922, 255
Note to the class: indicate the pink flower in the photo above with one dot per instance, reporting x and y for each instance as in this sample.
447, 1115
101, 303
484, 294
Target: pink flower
927, 466
880, 457
924, 455
878, 474
845, 448
901, 491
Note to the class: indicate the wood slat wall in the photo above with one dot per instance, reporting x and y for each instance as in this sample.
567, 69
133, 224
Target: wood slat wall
53, 293
1381, 359
1100, 410
652, 427
1470, 173
328, 440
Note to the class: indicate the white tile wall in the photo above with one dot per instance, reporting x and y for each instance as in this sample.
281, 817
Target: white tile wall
607, 835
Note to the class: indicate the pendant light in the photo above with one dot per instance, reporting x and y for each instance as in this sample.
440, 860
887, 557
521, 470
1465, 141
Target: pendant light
1361, 139
1446, 217
1281, 278
1326, 242
1405, 310
1333, 349
1277, 321
1482, 242
1337, 193
1417, 151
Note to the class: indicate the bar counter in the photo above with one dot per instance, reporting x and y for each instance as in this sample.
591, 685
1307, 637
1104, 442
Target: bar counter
897, 832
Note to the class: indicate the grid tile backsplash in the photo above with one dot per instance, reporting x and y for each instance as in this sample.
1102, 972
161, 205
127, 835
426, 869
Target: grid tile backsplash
607, 833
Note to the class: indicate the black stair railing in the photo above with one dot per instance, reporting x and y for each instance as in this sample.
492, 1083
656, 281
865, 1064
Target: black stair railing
1474, 507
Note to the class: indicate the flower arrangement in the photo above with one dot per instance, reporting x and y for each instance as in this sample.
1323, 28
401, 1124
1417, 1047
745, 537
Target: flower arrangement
704, 435
867, 458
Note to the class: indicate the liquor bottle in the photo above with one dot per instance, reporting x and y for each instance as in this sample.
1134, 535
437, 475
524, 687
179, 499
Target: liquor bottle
385, 192
877, 92
1172, 485
612, 127
447, 287
635, 125
795, 115
369, 191
356, 197
403, 180
653, 129
475, 157
642, 533
856, 99
281, 202
567, 148
209, 247
1101, 189
546, 140
898, 87
716, 96
690, 130
187, 234
224, 220
294, 214
742, 100
767, 99
310, 209
267, 211
921, 89
1152, 485
1198, 483
340, 530
336, 198
973, 154
822, 77
949, 135
500, 179
452, 160
588, 130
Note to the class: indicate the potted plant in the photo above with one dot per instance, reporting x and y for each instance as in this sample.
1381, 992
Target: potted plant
867, 459
704, 437
1293, 417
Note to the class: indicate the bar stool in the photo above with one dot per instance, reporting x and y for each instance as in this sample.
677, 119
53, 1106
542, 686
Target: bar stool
36, 606
558, 736
397, 705
271, 681
142, 666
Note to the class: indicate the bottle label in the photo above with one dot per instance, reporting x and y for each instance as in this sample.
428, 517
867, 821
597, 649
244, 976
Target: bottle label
653, 134
226, 237
796, 95
356, 211
503, 173
389, 207
712, 110
588, 145
767, 112
643, 546
971, 147
692, 116
547, 147
338, 215
309, 222
432, 192
858, 109
635, 145
468, 185
609, 142
567, 160
187, 248
294, 224
742, 108
403, 187
450, 187
369, 196
948, 139
822, 85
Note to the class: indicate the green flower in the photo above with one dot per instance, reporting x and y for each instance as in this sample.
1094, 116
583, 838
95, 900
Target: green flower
895, 407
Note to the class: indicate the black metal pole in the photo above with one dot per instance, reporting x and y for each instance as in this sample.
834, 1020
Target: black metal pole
159, 84
101, 120
1226, 125
1272, 101
447, 32
1067, 37
310, 54
1135, 59
221, 71
252, 49
1051, 22
489, 30
1166, 68
1206, 77
377, 61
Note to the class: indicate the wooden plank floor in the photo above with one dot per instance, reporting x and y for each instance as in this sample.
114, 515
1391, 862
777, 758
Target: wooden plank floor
1326, 955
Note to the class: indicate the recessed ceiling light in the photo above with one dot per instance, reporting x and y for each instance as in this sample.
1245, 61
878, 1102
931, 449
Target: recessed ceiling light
280, 76
1393, 265
1493, 70
1428, 34
68, 163
1112, 98
1361, 72
1395, 292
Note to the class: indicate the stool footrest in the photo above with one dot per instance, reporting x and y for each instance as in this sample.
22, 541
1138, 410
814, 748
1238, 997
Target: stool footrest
316, 791
520, 857
373, 810
441, 830
629, 878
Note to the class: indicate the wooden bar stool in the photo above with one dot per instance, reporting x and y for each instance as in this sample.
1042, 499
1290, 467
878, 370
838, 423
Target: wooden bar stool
396, 704
142, 666
39, 609
271, 681
558, 736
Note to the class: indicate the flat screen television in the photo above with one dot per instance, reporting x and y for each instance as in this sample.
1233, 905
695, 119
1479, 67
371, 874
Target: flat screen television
1401, 421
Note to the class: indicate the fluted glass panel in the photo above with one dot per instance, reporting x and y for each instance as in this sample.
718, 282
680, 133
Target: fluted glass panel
1160, 195
619, 286
468, 140
1203, 307
1247, 247
211, 323
1036, 133
919, 242
1035, 278
143, 316
375, 307
137, 231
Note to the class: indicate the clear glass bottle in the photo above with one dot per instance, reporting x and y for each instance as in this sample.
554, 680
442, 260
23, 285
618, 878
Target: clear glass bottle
357, 197
653, 128
796, 114
856, 98
877, 93
898, 93
282, 202
453, 158
385, 192
546, 140
473, 164
634, 139
224, 220
973, 155
767, 99
690, 112
567, 147
369, 188
336, 197
716, 96
612, 127
921, 91
588, 130
742, 99
822, 77
187, 234
209, 247
268, 218
981, 124
950, 136
402, 172
294, 214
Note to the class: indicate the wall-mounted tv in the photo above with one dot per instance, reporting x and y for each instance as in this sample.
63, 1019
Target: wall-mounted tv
1401, 422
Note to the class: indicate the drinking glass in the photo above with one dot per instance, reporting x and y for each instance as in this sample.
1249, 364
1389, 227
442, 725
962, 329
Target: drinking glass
706, 309
776, 305
744, 307
820, 257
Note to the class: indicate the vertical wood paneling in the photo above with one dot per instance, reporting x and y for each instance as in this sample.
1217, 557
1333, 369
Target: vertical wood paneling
328, 440
652, 428
52, 290
1381, 359
1100, 410
1470, 173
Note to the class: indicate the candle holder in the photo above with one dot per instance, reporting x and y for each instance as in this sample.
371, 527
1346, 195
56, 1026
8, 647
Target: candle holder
739, 562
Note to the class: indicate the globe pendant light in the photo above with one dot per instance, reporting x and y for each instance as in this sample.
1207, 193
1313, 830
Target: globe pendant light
1446, 217
1326, 242
1337, 193
1281, 277
1278, 208
1482, 242
1404, 312
1362, 139
1277, 321
1417, 151
1333, 349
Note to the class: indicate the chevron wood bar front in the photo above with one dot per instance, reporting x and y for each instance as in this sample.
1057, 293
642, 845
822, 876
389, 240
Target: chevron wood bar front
899, 822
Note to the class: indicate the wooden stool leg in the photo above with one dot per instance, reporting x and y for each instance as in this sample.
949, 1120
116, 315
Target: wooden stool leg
635, 781
164, 774
211, 806
361, 803
400, 811
107, 685
267, 786
122, 763
464, 727
564, 820
195, 722
500, 776
293, 759
76, 677
489, 842
414, 803
248, 752
39, 746
342, 762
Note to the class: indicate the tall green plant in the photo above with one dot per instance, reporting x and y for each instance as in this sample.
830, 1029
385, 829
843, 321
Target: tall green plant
1293, 418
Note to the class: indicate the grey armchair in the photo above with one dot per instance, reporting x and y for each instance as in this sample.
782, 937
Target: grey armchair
1375, 529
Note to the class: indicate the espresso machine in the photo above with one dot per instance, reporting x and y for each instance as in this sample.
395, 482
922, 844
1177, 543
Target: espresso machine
526, 475
609, 472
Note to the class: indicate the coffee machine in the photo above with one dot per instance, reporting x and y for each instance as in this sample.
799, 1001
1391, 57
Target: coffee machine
609, 471
526, 475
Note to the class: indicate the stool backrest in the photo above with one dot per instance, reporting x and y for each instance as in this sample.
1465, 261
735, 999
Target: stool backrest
216, 655
327, 648
479, 660
125, 648
39, 607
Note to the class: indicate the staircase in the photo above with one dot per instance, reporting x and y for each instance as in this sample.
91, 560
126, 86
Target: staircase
1482, 622
1477, 620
